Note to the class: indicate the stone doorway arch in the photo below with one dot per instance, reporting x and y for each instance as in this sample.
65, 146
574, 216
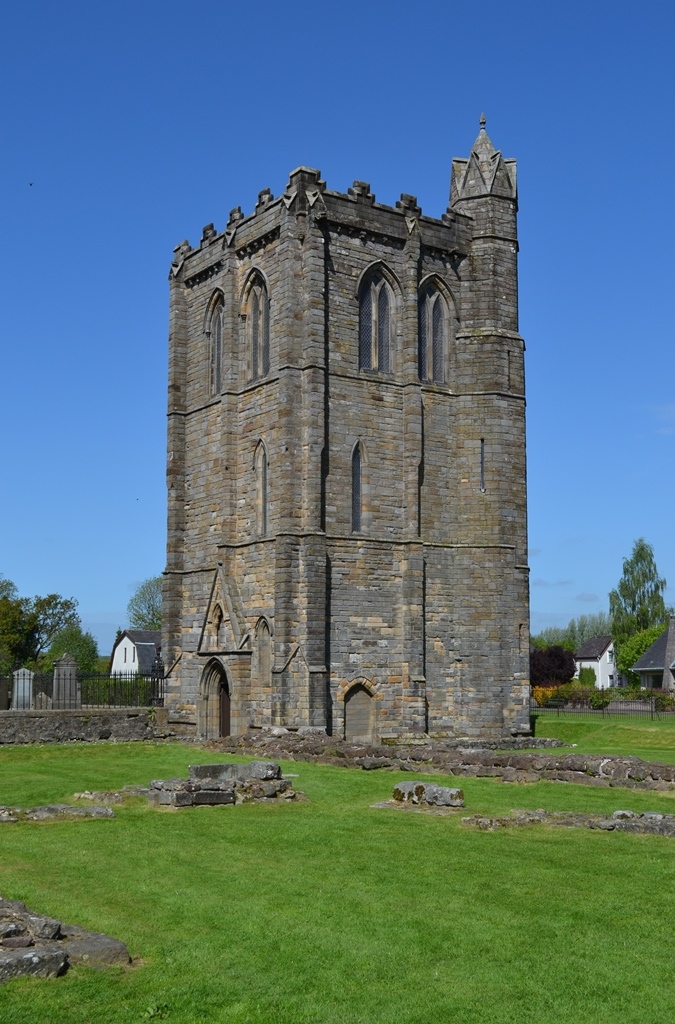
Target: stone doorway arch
215, 702
359, 715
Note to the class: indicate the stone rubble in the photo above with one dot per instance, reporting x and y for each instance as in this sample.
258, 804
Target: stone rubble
647, 822
429, 794
218, 784
34, 944
447, 759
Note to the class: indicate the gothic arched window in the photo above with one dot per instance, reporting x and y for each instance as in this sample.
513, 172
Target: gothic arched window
217, 350
375, 324
432, 333
214, 334
218, 627
264, 655
261, 496
357, 489
258, 328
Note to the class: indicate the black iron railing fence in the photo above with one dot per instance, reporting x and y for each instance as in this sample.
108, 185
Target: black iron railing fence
652, 704
72, 690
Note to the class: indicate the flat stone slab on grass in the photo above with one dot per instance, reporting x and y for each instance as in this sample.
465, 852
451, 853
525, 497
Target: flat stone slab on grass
397, 805
53, 812
34, 944
111, 796
262, 770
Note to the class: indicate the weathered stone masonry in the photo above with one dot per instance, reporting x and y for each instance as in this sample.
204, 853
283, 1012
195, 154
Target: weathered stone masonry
346, 465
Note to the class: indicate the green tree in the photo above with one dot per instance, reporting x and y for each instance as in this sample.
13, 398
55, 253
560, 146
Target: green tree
575, 633
637, 603
633, 648
28, 626
53, 614
72, 640
18, 632
145, 607
587, 676
7, 588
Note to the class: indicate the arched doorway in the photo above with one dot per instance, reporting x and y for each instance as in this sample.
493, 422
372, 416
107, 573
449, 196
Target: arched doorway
215, 706
359, 716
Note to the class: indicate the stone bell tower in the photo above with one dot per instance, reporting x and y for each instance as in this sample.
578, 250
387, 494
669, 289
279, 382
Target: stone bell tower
346, 465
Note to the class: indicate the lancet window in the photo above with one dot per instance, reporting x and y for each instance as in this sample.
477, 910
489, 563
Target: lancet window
258, 328
357, 489
432, 335
260, 469
214, 335
375, 324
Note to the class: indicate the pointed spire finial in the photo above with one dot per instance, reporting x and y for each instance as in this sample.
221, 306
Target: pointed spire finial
482, 122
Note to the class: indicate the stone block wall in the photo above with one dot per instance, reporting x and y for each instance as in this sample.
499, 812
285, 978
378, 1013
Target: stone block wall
18, 727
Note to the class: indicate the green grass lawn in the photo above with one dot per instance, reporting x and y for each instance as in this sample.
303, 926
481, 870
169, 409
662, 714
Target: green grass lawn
650, 740
331, 911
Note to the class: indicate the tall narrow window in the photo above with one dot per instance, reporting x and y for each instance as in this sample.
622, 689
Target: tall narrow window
375, 324
217, 351
482, 464
265, 335
214, 337
217, 627
258, 322
366, 330
438, 343
432, 346
255, 332
264, 655
263, 494
423, 340
383, 330
356, 489
260, 469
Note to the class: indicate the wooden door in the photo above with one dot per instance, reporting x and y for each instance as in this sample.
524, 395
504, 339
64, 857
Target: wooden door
359, 716
224, 710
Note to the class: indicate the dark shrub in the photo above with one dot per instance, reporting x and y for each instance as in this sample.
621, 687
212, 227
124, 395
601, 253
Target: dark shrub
551, 666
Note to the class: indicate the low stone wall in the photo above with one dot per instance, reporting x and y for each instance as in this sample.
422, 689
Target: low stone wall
95, 724
644, 823
585, 769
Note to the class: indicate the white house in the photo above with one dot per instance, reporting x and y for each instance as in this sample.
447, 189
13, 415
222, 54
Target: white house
135, 651
598, 654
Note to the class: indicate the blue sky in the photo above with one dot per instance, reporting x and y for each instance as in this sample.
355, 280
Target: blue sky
138, 123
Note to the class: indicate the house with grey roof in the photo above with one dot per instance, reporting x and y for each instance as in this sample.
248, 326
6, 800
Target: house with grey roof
656, 667
598, 654
135, 651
